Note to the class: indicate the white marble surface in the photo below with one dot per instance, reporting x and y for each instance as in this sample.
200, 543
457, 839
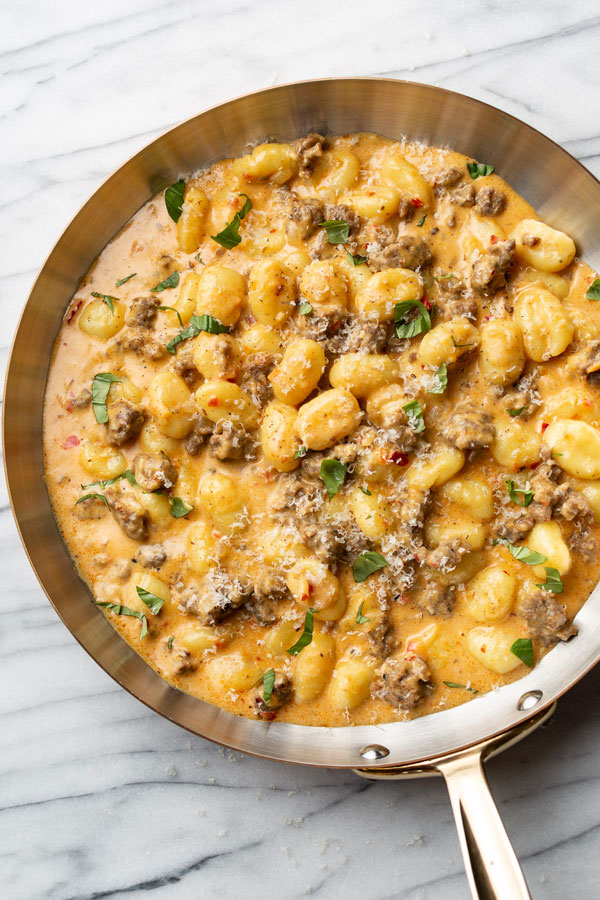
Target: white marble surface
98, 796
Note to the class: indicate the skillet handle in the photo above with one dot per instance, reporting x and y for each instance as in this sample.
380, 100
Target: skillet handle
492, 867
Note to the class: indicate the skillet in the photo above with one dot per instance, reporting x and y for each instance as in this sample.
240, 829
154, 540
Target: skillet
452, 742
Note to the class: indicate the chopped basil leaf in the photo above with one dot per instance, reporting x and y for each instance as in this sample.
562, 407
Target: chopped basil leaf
268, 681
356, 260
477, 169
154, 603
199, 259
170, 641
87, 497
174, 199
408, 328
516, 412
415, 416
446, 277
333, 473
305, 308
179, 508
523, 649
198, 324
524, 554
307, 635
176, 311
170, 282
514, 492
365, 491
367, 563
553, 581
125, 611
100, 388
123, 280
452, 684
440, 380
337, 230
230, 236
460, 345
593, 292
421, 222
360, 619
300, 452
106, 298
128, 474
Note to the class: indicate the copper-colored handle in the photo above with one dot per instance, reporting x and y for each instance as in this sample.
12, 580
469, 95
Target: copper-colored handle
491, 865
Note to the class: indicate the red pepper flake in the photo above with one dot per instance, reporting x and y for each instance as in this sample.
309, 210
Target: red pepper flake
214, 401
403, 599
272, 230
73, 312
535, 464
72, 441
493, 239
398, 458
426, 303
544, 426
417, 202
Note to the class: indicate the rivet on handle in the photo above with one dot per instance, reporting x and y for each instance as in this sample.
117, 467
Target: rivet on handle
374, 751
529, 700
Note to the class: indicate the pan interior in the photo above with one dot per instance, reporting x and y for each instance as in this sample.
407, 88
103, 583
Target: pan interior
552, 181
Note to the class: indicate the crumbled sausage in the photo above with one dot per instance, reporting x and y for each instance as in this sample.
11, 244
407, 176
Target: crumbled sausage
463, 196
324, 327
198, 435
151, 556
546, 618
306, 216
345, 453
530, 240
281, 693
339, 212
447, 554
223, 358
125, 422
587, 361
90, 508
583, 542
437, 599
255, 382
127, 510
185, 367
154, 473
178, 661
269, 590
139, 342
490, 269
407, 252
468, 427
490, 202
381, 638
403, 683
230, 440
218, 597
290, 493
453, 299
356, 334
83, 399
447, 178
143, 312
513, 523
309, 149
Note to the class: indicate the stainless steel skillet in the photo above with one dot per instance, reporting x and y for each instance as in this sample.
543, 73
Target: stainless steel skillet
452, 742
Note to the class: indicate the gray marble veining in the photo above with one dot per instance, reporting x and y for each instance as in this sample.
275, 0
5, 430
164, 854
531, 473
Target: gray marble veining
98, 796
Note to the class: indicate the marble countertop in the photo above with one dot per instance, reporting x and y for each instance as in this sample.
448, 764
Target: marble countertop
99, 797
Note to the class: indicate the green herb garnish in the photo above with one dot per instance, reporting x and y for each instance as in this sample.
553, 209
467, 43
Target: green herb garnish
301, 452
88, 496
460, 345
170, 642
123, 280
268, 681
306, 636
176, 311
415, 416
553, 581
452, 684
154, 603
170, 282
337, 230
100, 388
476, 170
421, 222
106, 298
516, 412
360, 619
179, 508
593, 292
367, 563
365, 491
356, 260
523, 649
230, 236
333, 473
174, 199
305, 308
128, 474
125, 611
198, 324
523, 554
514, 492
440, 380
409, 327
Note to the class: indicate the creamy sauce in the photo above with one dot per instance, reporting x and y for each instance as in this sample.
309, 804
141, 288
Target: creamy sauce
236, 532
